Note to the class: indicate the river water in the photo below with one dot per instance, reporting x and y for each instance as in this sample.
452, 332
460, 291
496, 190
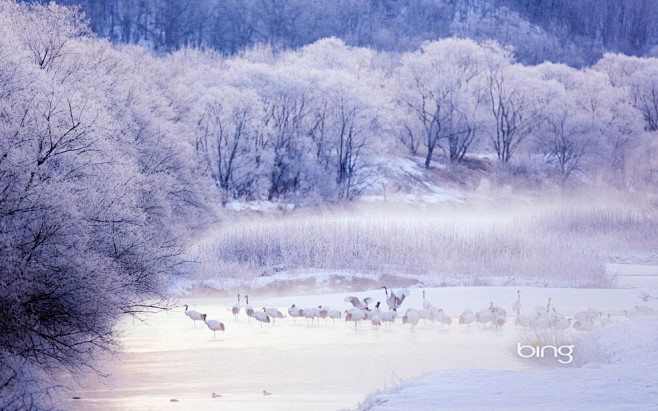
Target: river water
318, 366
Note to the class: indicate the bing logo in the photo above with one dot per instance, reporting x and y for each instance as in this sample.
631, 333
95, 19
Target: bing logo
539, 351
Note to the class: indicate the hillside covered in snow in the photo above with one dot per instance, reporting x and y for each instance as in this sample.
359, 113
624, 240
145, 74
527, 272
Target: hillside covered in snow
563, 31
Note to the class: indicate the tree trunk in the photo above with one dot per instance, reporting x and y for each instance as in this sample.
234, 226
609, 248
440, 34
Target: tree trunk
428, 159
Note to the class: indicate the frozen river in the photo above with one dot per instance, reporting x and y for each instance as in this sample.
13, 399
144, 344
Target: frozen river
325, 366
321, 366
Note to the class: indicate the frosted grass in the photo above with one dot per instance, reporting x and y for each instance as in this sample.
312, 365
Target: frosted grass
566, 247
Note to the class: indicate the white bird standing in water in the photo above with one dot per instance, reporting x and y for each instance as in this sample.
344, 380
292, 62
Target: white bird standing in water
411, 317
236, 308
486, 315
499, 319
395, 300
443, 318
384, 316
376, 321
247, 308
516, 307
309, 314
426, 304
425, 315
214, 325
358, 303
554, 316
499, 316
467, 317
273, 313
322, 313
295, 312
262, 317
194, 315
355, 314
333, 314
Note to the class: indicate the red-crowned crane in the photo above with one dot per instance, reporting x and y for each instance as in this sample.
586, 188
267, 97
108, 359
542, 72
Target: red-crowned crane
273, 313
467, 317
355, 314
261, 316
395, 299
295, 312
194, 315
214, 325
516, 307
361, 305
247, 308
411, 317
486, 315
426, 303
236, 308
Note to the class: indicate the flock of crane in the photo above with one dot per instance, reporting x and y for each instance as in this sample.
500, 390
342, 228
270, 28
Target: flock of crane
546, 317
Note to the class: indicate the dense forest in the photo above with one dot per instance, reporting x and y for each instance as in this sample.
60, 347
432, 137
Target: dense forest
110, 155
572, 32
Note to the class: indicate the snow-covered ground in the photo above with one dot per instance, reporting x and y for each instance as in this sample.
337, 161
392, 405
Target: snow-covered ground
625, 381
333, 366
620, 375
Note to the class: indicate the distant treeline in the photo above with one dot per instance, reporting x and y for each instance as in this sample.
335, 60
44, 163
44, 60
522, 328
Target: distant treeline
574, 32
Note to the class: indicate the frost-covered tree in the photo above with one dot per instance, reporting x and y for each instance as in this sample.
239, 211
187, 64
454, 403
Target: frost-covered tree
587, 119
285, 94
441, 89
565, 134
348, 102
512, 111
86, 201
350, 131
639, 77
234, 142
644, 93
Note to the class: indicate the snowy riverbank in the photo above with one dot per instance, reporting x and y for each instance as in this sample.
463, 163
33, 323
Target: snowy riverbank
626, 379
